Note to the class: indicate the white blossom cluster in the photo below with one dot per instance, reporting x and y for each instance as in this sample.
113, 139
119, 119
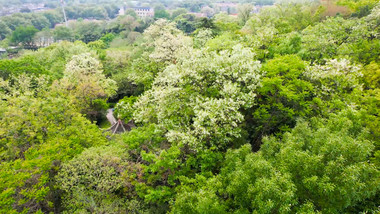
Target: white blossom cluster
373, 20
167, 41
199, 99
85, 69
202, 37
336, 75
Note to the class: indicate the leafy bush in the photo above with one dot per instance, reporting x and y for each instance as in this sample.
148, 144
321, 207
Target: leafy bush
93, 181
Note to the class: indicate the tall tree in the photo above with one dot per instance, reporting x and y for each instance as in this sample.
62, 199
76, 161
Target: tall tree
86, 85
244, 12
24, 35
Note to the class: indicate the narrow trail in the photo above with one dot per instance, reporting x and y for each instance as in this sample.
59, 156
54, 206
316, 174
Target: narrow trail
110, 117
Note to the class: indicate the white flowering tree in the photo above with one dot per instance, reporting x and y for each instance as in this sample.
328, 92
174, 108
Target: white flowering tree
202, 37
85, 83
167, 41
199, 100
336, 78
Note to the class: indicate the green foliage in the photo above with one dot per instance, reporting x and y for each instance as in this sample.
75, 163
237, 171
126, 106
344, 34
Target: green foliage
131, 12
304, 171
38, 130
244, 12
4, 30
371, 103
271, 111
202, 37
359, 6
24, 35
37, 20
91, 11
223, 42
125, 24
287, 44
186, 23
84, 83
322, 41
93, 181
206, 23
161, 14
285, 18
284, 96
97, 45
363, 51
107, 38
336, 152
16, 21
372, 75
63, 33
133, 76
224, 22
23, 65
178, 12
53, 17
55, 57
88, 31
124, 108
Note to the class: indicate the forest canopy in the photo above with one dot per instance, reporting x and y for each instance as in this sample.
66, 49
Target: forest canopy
272, 109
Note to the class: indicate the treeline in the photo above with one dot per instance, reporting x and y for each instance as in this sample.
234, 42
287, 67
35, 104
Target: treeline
105, 11
43, 21
54, 2
34, 30
274, 112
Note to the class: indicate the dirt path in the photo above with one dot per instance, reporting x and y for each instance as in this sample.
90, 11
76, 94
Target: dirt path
110, 117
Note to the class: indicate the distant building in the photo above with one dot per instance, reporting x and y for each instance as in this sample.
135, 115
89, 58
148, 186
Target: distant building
35, 7
144, 11
27, 7
122, 11
227, 7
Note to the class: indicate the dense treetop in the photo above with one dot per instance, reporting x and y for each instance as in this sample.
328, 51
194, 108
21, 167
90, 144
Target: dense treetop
275, 111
